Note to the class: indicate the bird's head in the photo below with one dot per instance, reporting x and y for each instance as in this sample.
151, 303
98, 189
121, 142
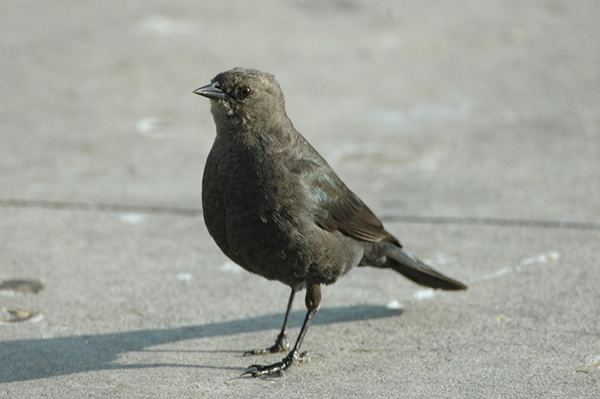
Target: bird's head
242, 95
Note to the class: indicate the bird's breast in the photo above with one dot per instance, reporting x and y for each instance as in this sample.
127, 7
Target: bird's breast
254, 211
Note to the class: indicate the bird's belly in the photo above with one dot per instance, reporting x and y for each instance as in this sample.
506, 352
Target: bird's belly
266, 243
279, 248
264, 222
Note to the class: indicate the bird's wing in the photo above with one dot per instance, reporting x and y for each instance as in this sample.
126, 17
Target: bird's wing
337, 208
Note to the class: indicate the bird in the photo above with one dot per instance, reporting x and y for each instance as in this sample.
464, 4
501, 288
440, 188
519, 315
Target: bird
275, 206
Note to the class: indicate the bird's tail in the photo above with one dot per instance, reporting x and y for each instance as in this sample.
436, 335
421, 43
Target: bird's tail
417, 271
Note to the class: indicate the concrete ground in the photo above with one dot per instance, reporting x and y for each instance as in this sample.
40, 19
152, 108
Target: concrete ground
472, 128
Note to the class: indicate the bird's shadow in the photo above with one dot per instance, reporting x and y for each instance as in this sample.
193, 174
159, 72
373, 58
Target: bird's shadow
31, 359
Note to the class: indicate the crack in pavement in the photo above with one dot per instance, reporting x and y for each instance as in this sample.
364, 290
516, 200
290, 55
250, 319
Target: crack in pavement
195, 212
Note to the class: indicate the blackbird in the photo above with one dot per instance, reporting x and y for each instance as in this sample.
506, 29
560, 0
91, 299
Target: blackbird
276, 208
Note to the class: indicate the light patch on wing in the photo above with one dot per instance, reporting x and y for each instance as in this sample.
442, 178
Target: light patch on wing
320, 194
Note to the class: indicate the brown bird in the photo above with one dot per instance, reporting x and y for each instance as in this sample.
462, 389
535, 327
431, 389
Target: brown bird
275, 206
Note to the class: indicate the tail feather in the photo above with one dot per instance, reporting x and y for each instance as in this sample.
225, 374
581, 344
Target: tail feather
417, 271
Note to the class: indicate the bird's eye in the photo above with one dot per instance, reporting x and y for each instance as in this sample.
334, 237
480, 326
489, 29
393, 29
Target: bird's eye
244, 91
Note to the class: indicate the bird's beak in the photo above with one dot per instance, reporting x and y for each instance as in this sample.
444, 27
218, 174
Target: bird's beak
211, 91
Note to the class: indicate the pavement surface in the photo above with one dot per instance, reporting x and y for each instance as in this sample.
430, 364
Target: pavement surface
472, 128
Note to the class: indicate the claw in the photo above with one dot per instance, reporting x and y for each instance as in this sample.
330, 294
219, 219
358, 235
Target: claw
257, 370
250, 371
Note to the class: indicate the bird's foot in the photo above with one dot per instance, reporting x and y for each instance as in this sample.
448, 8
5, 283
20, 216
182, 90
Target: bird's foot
281, 345
257, 370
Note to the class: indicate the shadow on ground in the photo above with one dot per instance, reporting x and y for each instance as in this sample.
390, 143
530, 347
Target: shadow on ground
41, 358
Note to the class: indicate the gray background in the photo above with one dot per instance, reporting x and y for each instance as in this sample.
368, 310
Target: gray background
471, 127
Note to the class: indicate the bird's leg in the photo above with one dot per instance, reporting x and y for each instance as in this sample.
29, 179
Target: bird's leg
281, 343
313, 298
